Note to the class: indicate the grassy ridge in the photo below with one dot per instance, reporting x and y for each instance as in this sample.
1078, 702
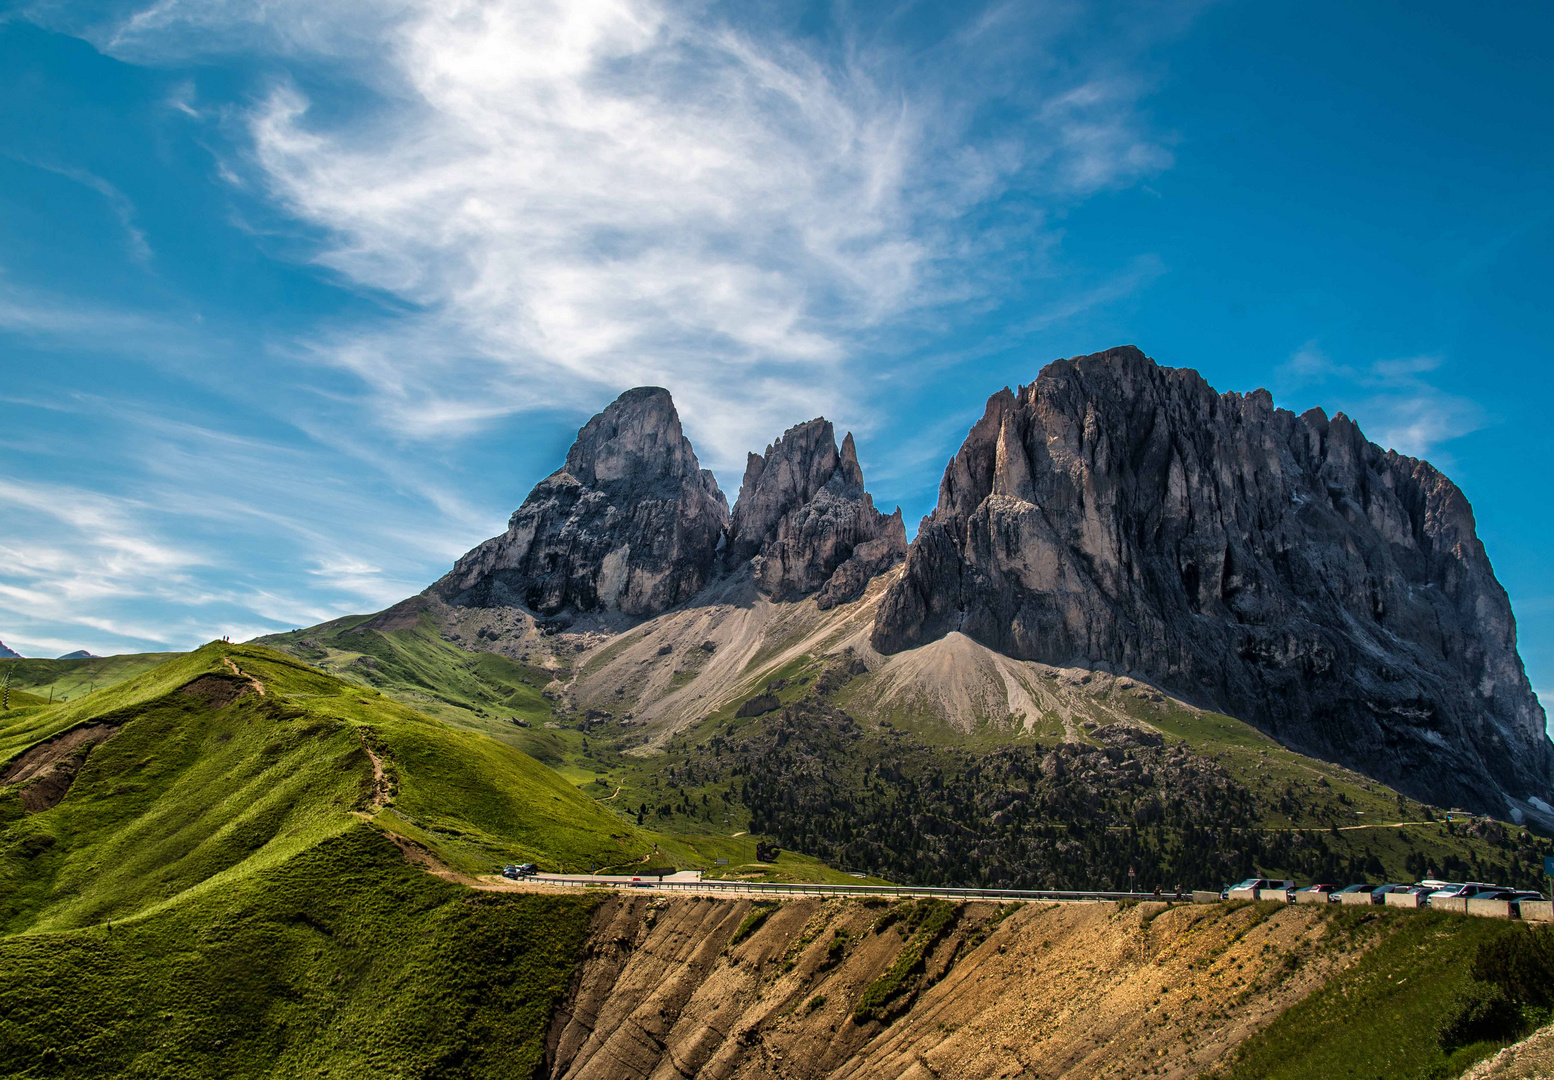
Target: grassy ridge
181, 796
188, 790
416, 663
59, 680
475, 691
342, 961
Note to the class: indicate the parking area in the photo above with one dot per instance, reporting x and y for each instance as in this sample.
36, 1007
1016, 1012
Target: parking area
1480, 898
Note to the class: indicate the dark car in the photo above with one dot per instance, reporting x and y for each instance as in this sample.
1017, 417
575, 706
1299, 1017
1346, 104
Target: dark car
1516, 899
1326, 892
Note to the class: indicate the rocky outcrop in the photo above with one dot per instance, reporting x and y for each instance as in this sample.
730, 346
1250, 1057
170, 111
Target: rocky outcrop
631, 523
1278, 567
806, 523
8, 653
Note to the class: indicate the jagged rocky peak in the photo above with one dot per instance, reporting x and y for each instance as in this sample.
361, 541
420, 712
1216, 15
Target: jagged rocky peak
631, 523
1278, 567
805, 521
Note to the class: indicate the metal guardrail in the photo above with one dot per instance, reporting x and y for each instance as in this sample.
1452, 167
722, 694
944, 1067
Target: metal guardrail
816, 889
1531, 911
1539, 912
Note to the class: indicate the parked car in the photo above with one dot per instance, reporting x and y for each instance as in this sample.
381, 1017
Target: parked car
1248, 888
1362, 887
1379, 893
510, 871
1327, 892
1468, 890
1516, 897
638, 883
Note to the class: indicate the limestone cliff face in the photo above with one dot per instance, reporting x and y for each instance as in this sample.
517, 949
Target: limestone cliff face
630, 523
1279, 567
805, 520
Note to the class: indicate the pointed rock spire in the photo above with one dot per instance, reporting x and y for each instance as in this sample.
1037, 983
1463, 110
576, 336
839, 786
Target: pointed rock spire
805, 521
631, 523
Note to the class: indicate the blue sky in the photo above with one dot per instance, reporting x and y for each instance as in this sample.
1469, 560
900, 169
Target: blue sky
298, 299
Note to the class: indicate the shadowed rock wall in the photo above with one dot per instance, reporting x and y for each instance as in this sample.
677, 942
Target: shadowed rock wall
1280, 567
630, 523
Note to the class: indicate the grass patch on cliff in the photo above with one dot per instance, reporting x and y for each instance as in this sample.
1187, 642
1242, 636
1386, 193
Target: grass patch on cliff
926, 921
342, 961
1384, 1015
752, 922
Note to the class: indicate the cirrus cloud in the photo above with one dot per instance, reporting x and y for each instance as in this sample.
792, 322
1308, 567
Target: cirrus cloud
559, 199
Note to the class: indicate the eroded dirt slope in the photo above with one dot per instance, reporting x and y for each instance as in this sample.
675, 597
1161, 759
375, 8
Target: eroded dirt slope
830, 989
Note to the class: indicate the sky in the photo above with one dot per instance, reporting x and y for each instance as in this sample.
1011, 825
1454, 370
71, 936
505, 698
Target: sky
299, 299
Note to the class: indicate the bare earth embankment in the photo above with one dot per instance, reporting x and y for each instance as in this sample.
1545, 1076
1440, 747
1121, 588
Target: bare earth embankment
849, 989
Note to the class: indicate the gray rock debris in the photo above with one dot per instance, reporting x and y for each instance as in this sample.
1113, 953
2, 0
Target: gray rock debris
805, 521
1277, 566
631, 523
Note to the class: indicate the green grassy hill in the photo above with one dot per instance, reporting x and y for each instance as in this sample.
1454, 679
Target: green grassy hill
342, 960
215, 884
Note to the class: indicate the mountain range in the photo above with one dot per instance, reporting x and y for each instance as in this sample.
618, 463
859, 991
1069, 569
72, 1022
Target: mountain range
1115, 519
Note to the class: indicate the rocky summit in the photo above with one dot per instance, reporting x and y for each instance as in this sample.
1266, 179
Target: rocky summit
805, 523
1281, 568
631, 523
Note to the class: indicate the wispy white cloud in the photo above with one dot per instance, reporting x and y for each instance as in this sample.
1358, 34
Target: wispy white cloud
119, 204
1398, 405
567, 198
210, 532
